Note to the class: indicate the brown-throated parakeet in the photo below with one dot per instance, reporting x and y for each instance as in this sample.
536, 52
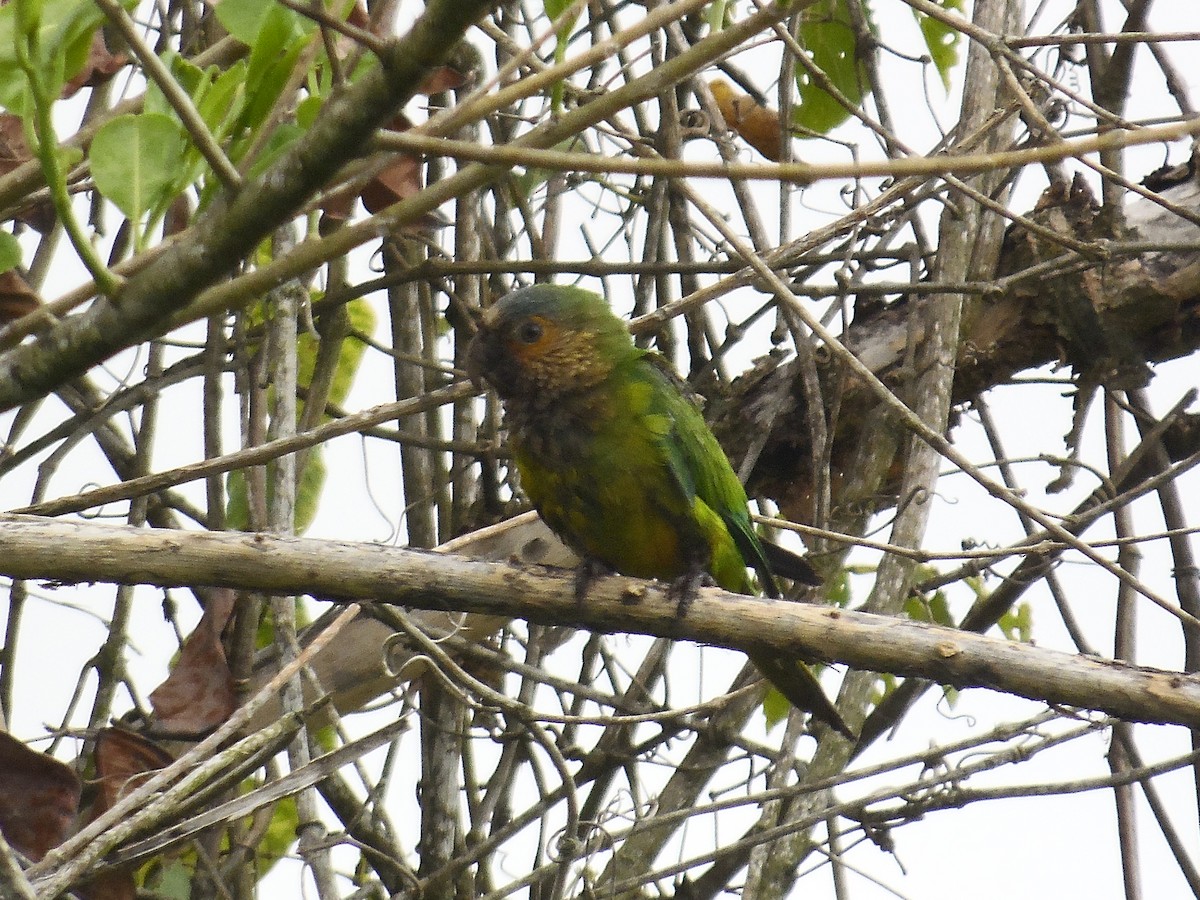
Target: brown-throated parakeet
619, 462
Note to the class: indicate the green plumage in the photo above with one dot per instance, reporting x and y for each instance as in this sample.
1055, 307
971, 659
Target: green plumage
618, 460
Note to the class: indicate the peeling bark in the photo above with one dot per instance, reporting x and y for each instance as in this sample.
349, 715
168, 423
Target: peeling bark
1108, 318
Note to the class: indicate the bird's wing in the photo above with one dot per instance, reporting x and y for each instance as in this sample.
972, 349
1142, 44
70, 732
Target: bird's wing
701, 468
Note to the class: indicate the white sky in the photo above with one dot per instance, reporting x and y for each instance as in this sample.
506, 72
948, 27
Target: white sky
1037, 847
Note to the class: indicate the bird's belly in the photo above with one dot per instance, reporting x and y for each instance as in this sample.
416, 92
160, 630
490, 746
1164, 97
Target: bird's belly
617, 512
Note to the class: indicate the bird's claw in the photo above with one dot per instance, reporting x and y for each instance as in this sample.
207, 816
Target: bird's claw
684, 588
585, 573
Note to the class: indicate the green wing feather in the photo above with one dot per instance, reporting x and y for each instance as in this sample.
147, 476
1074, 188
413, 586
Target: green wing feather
703, 471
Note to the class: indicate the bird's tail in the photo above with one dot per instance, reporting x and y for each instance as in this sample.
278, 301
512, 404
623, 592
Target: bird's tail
787, 564
795, 681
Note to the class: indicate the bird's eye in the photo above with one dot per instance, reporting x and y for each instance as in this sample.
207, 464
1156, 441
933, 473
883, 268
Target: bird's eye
530, 332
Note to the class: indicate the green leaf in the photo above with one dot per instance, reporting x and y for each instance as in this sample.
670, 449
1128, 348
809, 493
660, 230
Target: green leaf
169, 877
68, 156
281, 138
10, 252
14, 90
717, 15
71, 37
172, 876
199, 85
930, 608
308, 492
237, 502
1017, 624
775, 707
554, 9
222, 105
826, 33
187, 75
531, 179
280, 836
308, 495
307, 109
243, 19
941, 40
312, 479
135, 159
885, 684
59, 37
224, 99
246, 19
362, 319
837, 589
277, 37
273, 55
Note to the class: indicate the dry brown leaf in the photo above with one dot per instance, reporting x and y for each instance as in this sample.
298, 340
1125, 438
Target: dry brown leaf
122, 758
39, 798
399, 181
199, 694
757, 125
443, 78
14, 152
101, 65
17, 298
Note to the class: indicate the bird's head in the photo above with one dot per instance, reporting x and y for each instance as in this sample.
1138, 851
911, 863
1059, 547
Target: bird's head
547, 340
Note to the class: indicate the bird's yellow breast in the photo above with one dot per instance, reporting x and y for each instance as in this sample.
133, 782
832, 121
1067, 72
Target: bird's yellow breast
608, 510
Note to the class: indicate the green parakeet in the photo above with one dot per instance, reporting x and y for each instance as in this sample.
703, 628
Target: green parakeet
619, 462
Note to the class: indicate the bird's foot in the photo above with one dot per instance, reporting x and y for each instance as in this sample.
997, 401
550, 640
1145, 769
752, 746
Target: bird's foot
585, 573
683, 589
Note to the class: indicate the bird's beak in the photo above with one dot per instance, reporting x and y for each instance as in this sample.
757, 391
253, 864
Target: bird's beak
479, 353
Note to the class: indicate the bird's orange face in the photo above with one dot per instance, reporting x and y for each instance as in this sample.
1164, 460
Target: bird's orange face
520, 352
529, 338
